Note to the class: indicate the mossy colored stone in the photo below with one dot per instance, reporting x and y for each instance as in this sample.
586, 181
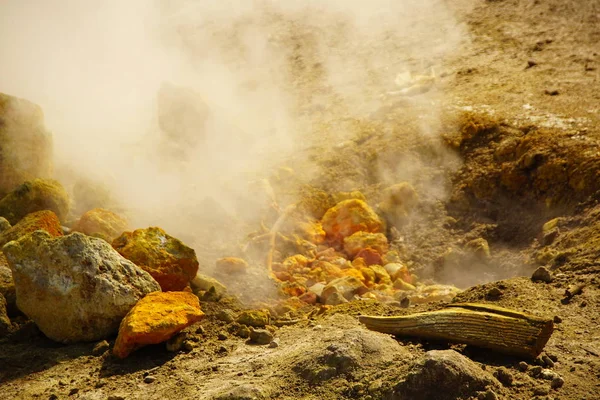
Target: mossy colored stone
32, 196
167, 259
101, 223
255, 318
41, 220
155, 319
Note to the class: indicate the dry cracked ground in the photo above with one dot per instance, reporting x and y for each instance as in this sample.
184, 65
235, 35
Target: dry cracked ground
511, 160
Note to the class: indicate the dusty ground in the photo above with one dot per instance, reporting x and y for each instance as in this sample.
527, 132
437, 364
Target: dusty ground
514, 145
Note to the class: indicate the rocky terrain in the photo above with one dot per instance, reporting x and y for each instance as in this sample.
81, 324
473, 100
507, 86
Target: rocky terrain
471, 177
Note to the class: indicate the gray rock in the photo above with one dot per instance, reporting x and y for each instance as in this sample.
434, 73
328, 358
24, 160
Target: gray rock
226, 315
204, 283
352, 349
335, 298
274, 343
75, 288
347, 286
443, 375
260, 336
542, 274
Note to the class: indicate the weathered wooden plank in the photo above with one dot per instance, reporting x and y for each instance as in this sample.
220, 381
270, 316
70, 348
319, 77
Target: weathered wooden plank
482, 325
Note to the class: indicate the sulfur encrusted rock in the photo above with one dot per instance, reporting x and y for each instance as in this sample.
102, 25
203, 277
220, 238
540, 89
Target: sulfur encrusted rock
101, 223
41, 220
32, 196
167, 259
348, 217
359, 241
75, 288
25, 144
155, 319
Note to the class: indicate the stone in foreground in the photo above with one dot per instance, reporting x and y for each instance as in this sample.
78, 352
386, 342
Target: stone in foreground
75, 288
167, 259
155, 319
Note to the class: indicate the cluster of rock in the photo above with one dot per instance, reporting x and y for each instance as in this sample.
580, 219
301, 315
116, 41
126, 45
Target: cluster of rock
93, 279
346, 255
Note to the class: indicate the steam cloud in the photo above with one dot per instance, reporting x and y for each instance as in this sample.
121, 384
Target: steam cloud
265, 69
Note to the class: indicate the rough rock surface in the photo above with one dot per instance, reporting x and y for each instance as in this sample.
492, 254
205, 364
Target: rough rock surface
348, 217
41, 220
35, 195
7, 286
25, 144
365, 240
101, 223
5, 325
442, 374
167, 259
75, 288
155, 319
347, 286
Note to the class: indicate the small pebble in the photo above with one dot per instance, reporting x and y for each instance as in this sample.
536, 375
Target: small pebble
531, 63
274, 343
557, 382
548, 374
504, 376
494, 292
115, 397
222, 336
188, 345
261, 336
73, 391
200, 330
547, 361
557, 319
149, 379
535, 371
551, 92
100, 348
523, 366
542, 274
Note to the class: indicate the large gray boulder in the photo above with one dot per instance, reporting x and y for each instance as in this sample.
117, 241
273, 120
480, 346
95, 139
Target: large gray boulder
25, 144
75, 288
